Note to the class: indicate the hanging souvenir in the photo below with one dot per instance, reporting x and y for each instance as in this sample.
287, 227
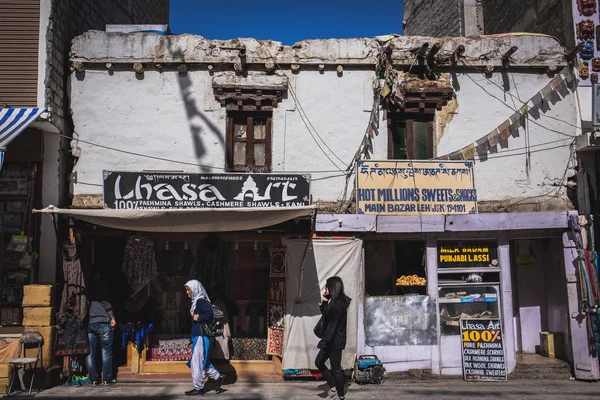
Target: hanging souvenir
584, 71
279, 263
587, 53
585, 30
586, 7
276, 315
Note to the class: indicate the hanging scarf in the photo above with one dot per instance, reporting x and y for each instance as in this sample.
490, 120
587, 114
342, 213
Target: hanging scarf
198, 292
74, 301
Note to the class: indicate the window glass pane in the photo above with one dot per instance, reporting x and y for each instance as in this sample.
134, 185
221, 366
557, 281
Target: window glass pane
239, 128
260, 128
399, 140
239, 153
421, 134
259, 154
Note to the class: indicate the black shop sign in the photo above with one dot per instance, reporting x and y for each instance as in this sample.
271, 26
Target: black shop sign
483, 357
467, 255
146, 190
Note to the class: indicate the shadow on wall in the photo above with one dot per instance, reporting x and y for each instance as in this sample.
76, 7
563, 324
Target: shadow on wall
193, 111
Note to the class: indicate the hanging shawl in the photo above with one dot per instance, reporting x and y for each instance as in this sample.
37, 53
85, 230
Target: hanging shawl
139, 263
74, 301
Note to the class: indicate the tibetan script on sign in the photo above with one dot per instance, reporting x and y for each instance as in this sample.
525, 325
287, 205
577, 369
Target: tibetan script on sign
415, 187
146, 190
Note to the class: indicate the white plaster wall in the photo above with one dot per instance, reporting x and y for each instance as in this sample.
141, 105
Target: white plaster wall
483, 106
148, 116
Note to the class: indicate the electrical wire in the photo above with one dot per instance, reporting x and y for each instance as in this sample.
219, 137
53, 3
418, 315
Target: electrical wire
304, 116
511, 95
172, 160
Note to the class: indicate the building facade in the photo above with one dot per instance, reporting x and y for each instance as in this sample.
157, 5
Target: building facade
160, 106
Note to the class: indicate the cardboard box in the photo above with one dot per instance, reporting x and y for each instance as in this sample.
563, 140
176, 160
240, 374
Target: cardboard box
4, 370
38, 316
547, 344
47, 353
38, 295
4, 382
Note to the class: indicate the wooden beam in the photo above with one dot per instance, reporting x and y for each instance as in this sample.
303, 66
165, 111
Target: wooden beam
346, 223
409, 224
506, 221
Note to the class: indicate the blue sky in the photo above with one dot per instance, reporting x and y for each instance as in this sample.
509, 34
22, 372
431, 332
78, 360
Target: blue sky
286, 21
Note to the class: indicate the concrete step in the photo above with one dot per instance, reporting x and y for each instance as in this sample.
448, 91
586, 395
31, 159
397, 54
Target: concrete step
534, 366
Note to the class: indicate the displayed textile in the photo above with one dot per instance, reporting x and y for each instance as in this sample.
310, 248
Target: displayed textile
139, 263
213, 262
221, 348
72, 339
9, 349
249, 349
275, 342
276, 290
279, 263
74, 301
175, 259
276, 315
324, 259
136, 334
170, 348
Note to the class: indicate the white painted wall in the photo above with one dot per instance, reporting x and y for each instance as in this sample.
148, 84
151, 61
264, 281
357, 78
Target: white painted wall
483, 106
148, 116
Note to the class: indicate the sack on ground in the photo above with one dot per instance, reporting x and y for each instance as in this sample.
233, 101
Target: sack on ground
214, 327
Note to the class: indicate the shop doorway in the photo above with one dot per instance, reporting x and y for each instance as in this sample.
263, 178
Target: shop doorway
234, 271
540, 301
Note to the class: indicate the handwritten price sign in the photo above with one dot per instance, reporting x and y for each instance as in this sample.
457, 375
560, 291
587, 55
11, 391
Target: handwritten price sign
482, 350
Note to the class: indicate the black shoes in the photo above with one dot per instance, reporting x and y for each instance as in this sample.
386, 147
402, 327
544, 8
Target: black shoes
195, 392
219, 383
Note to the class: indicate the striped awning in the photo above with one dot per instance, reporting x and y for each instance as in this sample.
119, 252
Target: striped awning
13, 121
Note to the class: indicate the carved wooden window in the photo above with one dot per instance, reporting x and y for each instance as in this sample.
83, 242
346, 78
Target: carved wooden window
249, 141
410, 137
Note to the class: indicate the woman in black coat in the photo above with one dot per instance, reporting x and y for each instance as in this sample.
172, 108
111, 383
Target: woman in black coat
334, 310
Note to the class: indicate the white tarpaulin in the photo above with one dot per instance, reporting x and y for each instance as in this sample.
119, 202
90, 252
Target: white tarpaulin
325, 258
185, 220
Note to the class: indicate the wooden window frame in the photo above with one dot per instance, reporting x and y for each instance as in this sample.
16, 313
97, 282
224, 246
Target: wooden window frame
250, 141
410, 138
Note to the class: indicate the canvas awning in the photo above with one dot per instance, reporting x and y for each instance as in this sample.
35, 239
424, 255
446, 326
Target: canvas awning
185, 220
13, 121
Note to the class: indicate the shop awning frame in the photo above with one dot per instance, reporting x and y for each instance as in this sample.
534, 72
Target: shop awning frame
13, 121
184, 220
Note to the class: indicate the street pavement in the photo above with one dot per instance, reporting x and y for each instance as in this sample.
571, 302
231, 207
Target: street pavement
421, 390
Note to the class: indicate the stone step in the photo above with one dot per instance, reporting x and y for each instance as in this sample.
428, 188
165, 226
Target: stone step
532, 366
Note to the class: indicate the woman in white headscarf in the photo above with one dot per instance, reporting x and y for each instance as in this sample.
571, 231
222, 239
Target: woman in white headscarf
201, 312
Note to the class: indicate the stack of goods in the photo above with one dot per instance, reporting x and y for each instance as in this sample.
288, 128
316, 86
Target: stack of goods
170, 348
411, 280
249, 349
450, 320
38, 315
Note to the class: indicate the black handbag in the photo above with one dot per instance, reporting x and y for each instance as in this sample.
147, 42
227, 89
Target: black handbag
318, 329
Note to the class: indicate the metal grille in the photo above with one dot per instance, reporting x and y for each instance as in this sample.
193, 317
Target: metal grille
19, 44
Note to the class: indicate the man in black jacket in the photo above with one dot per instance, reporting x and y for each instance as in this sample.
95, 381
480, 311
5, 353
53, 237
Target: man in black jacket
334, 310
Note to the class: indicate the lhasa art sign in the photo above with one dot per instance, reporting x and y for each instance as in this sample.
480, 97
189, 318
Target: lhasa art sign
415, 187
141, 190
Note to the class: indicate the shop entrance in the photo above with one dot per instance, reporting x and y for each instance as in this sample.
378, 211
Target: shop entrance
539, 296
234, 271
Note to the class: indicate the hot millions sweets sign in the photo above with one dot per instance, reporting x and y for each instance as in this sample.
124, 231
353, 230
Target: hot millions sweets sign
415, 187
